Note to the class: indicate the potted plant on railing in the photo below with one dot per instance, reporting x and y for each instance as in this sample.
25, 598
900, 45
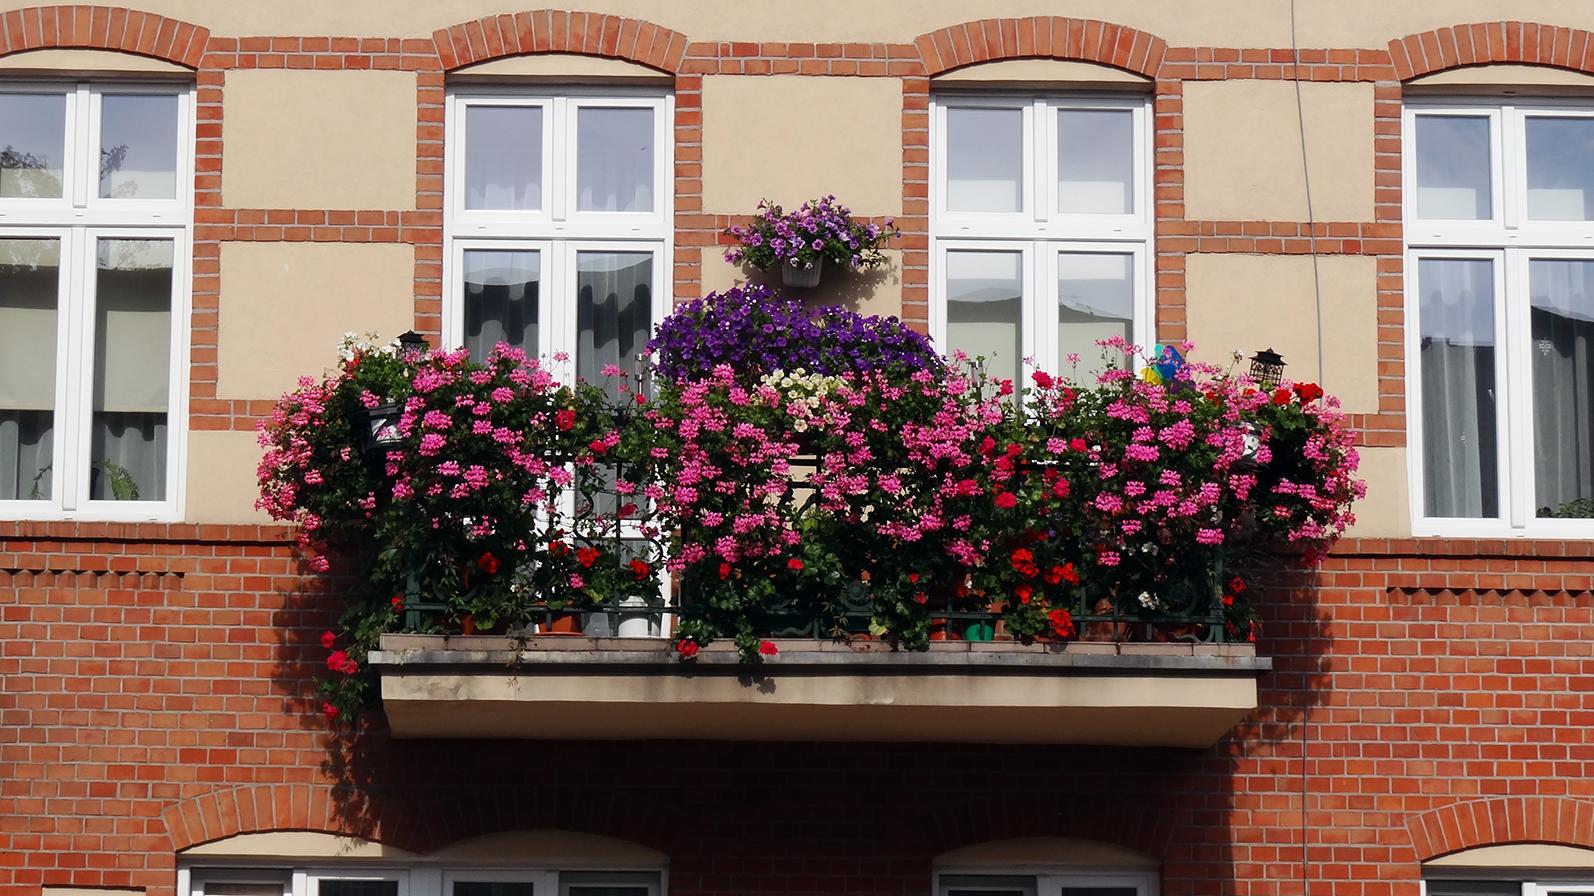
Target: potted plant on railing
799, 243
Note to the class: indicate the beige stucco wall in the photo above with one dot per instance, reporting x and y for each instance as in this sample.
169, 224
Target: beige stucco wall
285, 308
87, 61
1504, 78
1249, 302
221, 478
1518, 856
867, 292
1386, 511
1223, 23
1041, 72
789, 138
1242, 150
295, 845
309, 139
567, 68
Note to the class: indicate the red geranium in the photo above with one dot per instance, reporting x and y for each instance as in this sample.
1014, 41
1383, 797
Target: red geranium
330, 711
687, 649
1006, 501
488, 563
587, 556
1042, 379
397, 603
1282, 396
767, 648
640, 569
794, 564
565, 419
328, 639
1062, 623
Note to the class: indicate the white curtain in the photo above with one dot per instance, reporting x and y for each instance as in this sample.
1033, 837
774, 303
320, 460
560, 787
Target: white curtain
132, 370
1457, 351
501, 295
1562, 350
26, 439
614, 160
614, 312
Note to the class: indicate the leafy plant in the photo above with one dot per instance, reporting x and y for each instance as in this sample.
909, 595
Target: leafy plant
819, 230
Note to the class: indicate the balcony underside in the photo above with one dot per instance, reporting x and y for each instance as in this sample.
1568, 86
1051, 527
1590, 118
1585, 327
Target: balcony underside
1171, 695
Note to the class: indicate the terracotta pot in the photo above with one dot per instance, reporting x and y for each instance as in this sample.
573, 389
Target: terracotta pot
938, 630
561, 624
467, 625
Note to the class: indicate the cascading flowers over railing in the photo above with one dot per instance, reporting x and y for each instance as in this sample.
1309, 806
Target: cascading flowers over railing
799, 472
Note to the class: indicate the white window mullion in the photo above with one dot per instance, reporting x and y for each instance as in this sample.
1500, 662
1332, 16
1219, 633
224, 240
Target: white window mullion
80, 392
1514, 374
82, 159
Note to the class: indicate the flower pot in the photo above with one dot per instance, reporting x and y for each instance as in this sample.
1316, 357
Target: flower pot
561, 624
801, 276
635, 625
938, 630
980, 630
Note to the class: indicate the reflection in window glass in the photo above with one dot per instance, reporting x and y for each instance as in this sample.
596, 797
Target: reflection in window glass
494, 888
987, 885
32, 145
1473, 888
1560, 178
614, 159
984, 159
614, 313
502, 290
1562, 362
1453, 160
132, 369
1095, 301
1457, 356
138, 146
30, 273
1095, 161
503, 157
359, 888
983, 307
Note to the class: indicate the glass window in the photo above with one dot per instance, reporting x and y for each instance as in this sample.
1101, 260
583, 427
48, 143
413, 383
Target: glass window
614, 311
32, 145
1560, 178
1044, 287
1501, 328
91, 293
984, 308
501, 296
358, 887
503, 157
1453, 173
614, 159
138, 146
1095, 161
1060, 883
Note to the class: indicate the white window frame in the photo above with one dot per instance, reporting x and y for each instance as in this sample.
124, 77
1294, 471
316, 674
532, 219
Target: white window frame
423, 878
78, 219
1048, 881
1039, 230
1510, 240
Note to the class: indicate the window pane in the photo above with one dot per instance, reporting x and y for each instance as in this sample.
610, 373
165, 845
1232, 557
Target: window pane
239, 888
1095, 301
1453, 161
987, 885
494, 888
1457, 352
1099, 891
1095, 161
501, 298
503, 157
132, 369
359, 888
32, 144
984, 160
1560, 179
1562, 353
30, 272
1474, 888
138, 147
984, 302
614, 160
608, 891
614, 313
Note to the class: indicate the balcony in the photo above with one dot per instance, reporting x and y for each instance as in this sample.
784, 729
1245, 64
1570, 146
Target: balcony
1168, 694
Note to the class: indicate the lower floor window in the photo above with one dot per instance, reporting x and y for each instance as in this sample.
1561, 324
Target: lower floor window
1508, 886
90, 325
1055, 884
1049, 301
428, 880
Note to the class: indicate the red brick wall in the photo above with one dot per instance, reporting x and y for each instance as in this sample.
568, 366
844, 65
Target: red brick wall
157, 696
156, 678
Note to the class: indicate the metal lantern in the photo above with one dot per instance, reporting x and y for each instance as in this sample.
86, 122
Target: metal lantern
1267, 368
382, 427
412, 345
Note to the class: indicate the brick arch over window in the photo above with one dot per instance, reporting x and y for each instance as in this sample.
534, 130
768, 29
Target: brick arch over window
1491, 822
1114, 822
103, 28
1481, 43
557, 31
1041, 37
285, 807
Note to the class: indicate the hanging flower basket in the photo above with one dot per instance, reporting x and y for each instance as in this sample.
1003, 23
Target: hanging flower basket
799, 242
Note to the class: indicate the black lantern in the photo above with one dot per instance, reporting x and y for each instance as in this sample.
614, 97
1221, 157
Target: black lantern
382, 427
1267, 368
412, 345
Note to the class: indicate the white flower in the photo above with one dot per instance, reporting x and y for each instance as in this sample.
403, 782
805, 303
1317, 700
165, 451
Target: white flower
1149, 601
